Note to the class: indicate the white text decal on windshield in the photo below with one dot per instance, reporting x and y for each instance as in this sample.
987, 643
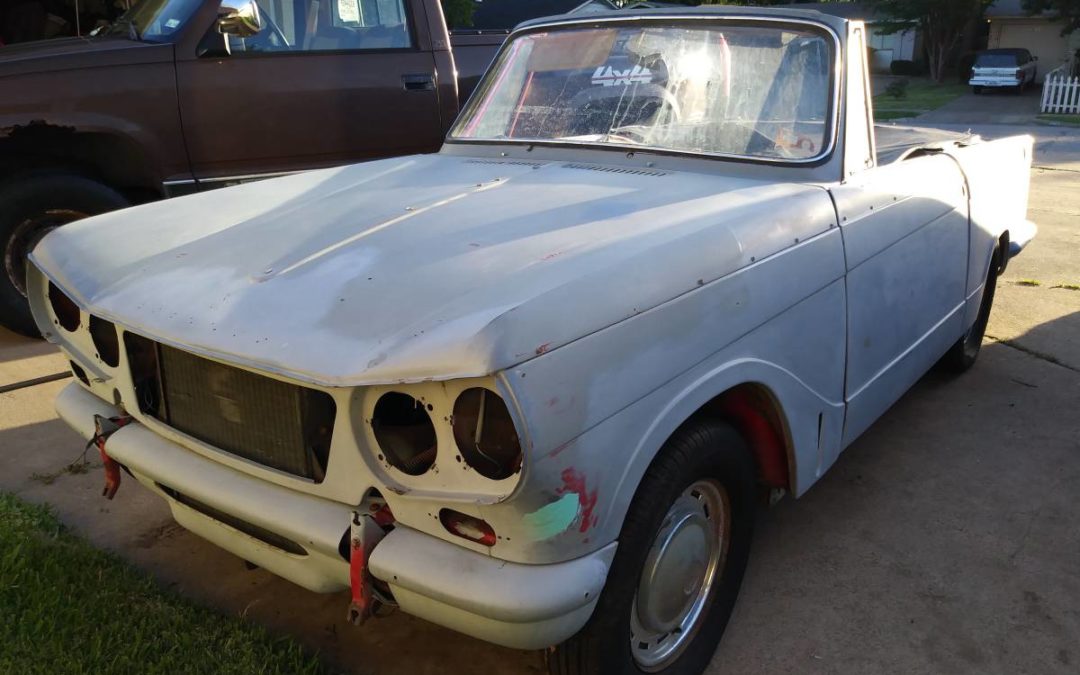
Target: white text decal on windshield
609, 77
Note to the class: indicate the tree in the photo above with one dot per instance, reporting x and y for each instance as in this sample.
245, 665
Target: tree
940, 22
1068, 10
458, 13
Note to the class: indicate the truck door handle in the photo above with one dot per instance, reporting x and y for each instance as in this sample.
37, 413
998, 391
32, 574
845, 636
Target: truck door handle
418, 82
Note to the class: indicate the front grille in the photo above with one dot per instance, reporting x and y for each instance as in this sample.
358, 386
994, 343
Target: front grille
280, 425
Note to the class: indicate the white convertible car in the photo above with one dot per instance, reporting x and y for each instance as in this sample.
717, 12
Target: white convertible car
533, 387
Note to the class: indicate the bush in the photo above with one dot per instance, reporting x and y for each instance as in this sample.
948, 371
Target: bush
908, 68
897, 88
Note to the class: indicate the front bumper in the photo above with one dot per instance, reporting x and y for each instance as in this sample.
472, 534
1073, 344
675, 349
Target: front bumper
512, 604
994, 82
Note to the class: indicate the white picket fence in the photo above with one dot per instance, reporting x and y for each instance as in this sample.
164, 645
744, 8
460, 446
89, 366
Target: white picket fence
1061, 93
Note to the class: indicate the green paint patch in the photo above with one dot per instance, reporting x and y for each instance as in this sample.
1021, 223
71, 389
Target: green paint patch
1028, 282
554, 518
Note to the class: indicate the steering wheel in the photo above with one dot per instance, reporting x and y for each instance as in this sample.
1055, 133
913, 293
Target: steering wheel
582, 100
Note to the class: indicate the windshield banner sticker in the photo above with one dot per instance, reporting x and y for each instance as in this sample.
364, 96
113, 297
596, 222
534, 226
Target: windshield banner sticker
607, 76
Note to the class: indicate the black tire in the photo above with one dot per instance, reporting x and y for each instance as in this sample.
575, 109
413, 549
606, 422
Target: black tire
31, 205
700, 449
962, 355
976, 90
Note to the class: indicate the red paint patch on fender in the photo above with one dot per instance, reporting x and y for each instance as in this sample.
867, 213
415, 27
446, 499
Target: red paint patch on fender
574, 482
543, 348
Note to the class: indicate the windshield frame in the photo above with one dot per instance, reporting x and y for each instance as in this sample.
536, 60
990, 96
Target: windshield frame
832, 117
128, 16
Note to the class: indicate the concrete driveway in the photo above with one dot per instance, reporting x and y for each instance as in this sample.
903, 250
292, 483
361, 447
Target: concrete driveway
944, 540
990, 107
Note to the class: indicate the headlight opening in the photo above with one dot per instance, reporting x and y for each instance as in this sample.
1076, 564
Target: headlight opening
485, 435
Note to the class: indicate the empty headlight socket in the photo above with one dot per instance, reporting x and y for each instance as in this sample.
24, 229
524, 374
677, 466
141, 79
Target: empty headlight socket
404, 433
485, 434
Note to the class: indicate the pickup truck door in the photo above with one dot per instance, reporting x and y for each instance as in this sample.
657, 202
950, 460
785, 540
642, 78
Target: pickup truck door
905, 228
324, 82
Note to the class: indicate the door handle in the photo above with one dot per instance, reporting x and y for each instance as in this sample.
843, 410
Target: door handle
418, 82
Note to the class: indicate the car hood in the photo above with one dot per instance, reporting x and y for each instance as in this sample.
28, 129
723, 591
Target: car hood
419, 268
76, 53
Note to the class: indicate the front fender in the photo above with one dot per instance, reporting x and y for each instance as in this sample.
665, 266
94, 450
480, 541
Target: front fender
575, 494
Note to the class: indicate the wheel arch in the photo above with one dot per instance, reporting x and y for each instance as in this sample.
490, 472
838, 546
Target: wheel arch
105, 155
780, 417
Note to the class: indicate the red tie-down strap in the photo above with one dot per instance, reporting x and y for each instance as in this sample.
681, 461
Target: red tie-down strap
360, 607
104, 427
366, 530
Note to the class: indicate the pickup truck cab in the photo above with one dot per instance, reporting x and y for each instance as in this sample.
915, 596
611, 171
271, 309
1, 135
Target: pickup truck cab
1012, 69
534, 387
183, 95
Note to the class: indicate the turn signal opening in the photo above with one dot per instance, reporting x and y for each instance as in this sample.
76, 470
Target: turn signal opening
485, 434
64, 309
105, 340
404, 432
467, 527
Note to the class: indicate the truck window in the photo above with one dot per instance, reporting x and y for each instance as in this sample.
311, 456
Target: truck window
996, 61
328, 25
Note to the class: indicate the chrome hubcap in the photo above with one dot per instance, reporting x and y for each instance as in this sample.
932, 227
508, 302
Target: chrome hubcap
679, 573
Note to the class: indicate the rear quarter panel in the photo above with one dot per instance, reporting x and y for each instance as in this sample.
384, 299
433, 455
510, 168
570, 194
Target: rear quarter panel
998, 175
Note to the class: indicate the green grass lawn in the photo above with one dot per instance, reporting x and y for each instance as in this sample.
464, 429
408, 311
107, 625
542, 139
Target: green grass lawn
923, 95
1071, 120
70, 608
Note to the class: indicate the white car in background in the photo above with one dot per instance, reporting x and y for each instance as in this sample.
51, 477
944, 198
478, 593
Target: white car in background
1011, 68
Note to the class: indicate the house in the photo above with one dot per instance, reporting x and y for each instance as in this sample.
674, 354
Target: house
1011, 26
887, 47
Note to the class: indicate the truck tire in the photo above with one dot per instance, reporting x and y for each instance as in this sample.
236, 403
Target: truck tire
686, 538
976, 90
963, 354
30, 206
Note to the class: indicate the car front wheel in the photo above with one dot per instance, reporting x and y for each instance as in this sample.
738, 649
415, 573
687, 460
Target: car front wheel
31, 206
682, 552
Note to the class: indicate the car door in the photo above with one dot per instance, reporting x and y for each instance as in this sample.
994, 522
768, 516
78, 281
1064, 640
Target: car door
905, 229
323, 82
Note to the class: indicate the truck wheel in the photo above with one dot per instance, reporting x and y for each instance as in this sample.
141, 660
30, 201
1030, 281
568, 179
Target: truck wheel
976, 90
680, 561
30, 206
963, 354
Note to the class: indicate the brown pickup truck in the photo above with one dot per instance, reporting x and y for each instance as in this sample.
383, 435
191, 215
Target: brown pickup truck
183, 95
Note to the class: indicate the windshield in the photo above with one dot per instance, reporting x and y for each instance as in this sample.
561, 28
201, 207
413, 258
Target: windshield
155, 20
743, 90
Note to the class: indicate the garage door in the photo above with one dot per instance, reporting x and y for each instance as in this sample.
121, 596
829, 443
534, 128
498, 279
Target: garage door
1041, 38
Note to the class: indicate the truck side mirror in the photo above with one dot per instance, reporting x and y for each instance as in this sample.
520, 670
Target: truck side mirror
239, 18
